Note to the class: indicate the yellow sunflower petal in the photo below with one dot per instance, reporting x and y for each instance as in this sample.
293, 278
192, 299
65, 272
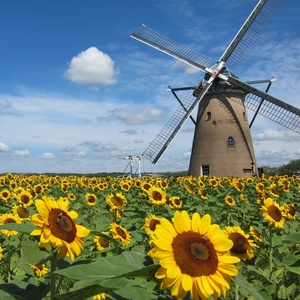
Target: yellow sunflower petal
167, 225
230, 270
73, 214
206, 286
41, 208
195, 222
173, 271
228, 259
36, 231
187, 282
37, 220
204, 224
161, 273
82, 231
182, 221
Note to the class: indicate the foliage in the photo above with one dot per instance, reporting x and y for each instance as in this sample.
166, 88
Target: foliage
127, 272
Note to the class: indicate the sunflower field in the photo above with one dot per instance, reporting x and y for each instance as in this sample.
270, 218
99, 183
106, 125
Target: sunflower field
83, 237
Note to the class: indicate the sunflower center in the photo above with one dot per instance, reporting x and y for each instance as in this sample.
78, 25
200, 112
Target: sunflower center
156, 196
22, 212
275, 213
103, 242
153, 224
194, 254
240, 243
121, 232
9, 220
91, 199
117, 201
25, 199
61, 225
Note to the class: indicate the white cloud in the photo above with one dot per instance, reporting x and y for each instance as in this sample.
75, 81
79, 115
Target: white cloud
133, 115
47, 155
276, 135
22, 153
297, 152
3, 147
91, 67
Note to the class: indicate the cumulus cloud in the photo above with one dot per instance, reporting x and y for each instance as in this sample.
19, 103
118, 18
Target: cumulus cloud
133, 115
22, 153
297, 152
47, 156
273, 153
69, 152
138, 141
4, 105
110, 148
129, 131
275, 135
3, 147
91, 67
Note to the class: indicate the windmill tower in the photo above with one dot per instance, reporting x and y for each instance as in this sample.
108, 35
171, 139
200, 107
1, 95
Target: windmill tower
222, 144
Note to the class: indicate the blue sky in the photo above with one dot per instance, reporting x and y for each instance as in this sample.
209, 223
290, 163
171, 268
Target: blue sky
77, 92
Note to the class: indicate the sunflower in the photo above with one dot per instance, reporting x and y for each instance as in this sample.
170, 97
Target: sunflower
72, 197
25, 198
9, 218
120, 233
273, 190
239, 186
255, 234
273, 213
175, 202
1, 254
244, 198
40, 270
260, 188
146, 186
242, 247
157, 196
21, 211
57, 227
290, 211
193, 255
229, 201
101, 296
5, 195
116, 201
202, 194
90, 199
150, 224
101, 242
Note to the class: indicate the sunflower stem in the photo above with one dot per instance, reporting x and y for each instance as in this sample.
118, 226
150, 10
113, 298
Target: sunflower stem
236, 292
271, 249
53, 264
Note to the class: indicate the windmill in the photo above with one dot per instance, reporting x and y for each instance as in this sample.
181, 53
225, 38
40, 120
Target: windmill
222, 144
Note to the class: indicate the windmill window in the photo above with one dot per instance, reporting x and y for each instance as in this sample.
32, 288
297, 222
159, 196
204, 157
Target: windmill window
205, 170
208, 116
230, 142
244, 116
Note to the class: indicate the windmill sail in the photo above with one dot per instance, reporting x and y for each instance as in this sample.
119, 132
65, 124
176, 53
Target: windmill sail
270, 107
160, 42
250, 32
161, 142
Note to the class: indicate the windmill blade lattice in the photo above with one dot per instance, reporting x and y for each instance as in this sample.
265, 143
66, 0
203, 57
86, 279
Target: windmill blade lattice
269, 106
160, 42
161, 142
282, 115
250, 32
